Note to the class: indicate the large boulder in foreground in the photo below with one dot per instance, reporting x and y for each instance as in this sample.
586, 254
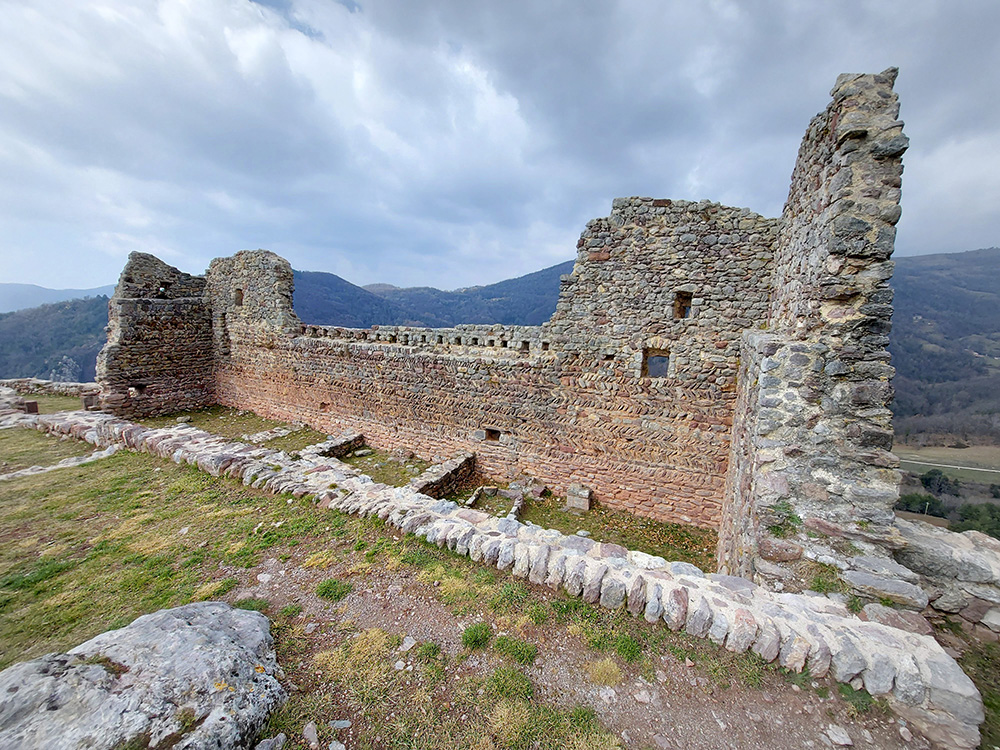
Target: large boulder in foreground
199, 676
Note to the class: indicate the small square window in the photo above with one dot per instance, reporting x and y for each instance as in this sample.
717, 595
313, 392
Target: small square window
655, 363
492, 436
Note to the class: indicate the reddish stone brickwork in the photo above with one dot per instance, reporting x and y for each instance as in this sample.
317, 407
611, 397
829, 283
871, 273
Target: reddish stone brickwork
570, 401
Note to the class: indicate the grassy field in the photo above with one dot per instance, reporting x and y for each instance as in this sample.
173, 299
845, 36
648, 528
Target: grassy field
233, 424
20, 449
978, 463
51, 403
671, 541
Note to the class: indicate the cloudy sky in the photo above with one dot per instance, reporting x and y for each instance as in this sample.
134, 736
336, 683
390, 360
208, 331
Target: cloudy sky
453, 142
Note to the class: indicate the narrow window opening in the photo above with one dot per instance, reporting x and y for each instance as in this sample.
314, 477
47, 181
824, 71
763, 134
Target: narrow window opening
503, 343
458, 340
491, 342
524, 346
492, 436
423, 339
682, 304
238, 298
655, 363
609, 357
545, 346
440, 339
475, 341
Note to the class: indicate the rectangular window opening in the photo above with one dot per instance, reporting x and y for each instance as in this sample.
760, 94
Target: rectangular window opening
440, 339
545, 346
524, 346
655, 363
503, 343
682, 304
238, 298
492, 436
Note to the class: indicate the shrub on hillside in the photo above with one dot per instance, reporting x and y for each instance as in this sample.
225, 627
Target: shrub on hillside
984, 517
916, 502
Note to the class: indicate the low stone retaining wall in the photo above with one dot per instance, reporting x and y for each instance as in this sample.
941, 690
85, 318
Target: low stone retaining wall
919, 680
36, 385
445, 478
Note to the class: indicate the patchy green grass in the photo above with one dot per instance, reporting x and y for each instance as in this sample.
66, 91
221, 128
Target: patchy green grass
333, 590
383, 469
476, 636
21, 449
219, 420
295, 441
860, 701
673, 542
981, 661
50, 403
89, 548
253, 604
419, 710
92, 547
514, 648
234, 424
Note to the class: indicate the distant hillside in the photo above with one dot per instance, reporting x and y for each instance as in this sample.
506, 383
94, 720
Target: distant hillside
58, 341
946, 343
22, 296
328, 300
526, 300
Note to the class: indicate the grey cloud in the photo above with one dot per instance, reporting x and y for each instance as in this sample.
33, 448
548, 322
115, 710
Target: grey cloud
454, 142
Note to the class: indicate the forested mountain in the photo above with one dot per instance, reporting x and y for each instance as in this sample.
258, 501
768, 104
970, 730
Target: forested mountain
57, 342
22, 296
945, 339
946, 343
328, 300
527, 300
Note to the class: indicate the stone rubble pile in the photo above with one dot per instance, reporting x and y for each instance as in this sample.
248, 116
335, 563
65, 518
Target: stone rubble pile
920, 681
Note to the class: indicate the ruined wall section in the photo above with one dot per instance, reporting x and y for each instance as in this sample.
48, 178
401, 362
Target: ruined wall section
681, 277
812, 464
158, 358
571, 401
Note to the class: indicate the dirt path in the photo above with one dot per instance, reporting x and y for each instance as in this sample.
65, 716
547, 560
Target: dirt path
674, 705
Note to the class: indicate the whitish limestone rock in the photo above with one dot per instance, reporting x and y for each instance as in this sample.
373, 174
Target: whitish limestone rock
201, 675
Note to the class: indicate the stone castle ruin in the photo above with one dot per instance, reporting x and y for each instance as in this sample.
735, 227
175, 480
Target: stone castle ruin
704, 364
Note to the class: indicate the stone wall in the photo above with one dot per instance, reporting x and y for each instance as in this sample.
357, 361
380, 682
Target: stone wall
159, 354
814, 435
628, 389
